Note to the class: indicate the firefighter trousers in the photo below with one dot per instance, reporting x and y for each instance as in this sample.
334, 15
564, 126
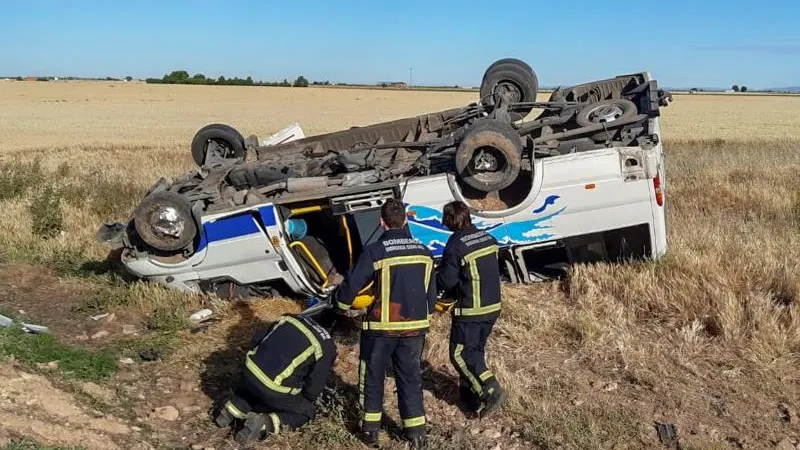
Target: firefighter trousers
467, 354
405, 355
283, 410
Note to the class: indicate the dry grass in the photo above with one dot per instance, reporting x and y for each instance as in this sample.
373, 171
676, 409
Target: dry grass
708, 338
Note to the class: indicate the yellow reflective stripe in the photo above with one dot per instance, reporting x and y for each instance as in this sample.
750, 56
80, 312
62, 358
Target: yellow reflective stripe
276, 423
309, 334
384, 265
264, 379
392, 326
414, 422
289, 370
477, 311
476, 284
343, 306
471, 259
428, 271
365, 288
235, 412
486, 375
385, 292
476, 385
372, 417
362, 375
479, 253
398, 260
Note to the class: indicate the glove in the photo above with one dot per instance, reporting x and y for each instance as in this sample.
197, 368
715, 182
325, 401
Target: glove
444, 306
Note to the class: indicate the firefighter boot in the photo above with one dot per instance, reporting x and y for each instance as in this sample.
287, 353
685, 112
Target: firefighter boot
494, 399
468, 401
418, 443
370, 439
224, 418
255, 426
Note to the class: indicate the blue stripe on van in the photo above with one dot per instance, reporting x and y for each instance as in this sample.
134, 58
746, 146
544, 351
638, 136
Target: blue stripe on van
267, 215
242, 224
231, 227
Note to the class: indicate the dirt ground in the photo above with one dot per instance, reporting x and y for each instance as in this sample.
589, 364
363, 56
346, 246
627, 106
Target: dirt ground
166, 403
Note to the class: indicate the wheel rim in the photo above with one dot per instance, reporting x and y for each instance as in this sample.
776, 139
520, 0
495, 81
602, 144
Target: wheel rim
219, 149
167, 222
486, 163
512, 90
605, 113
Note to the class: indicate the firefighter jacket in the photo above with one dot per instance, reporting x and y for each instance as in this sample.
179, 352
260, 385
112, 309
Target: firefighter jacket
400, 269
295, 356
469, 265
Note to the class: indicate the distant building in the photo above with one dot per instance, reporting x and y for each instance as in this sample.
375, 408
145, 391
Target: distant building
393, 84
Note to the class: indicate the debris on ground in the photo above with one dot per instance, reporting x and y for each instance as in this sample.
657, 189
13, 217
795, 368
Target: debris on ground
168, 413
667, 433
201, 315
28, 327
100, 334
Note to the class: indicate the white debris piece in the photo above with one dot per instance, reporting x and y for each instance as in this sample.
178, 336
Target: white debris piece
201, 315
287, 134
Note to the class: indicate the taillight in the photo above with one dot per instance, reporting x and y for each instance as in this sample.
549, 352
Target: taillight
659, 191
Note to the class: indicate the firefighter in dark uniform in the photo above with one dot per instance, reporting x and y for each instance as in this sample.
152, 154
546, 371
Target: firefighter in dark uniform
283, 374
469, 269
394, 325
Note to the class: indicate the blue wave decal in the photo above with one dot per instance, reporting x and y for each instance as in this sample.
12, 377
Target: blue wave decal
426, 225
550, 200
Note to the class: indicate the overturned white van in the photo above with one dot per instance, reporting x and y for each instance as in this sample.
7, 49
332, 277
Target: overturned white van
581, 181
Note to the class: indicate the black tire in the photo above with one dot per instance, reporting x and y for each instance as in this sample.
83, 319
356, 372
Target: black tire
602, 111
502, 143
144, 219
514, 75
224, 135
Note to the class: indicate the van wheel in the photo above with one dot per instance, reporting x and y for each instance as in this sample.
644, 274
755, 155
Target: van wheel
516, 78
489, 157
164, 221
218, 141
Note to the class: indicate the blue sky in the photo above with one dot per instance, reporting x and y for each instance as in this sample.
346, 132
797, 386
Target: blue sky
682, 43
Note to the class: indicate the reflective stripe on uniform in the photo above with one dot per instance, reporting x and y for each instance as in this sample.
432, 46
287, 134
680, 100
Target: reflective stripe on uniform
396, 326
296, 362
385, 265
476, 385
235, 412
479, 254
472, 260
309, 334
476, 311
264, 379
276, 423
276, 385
398, 260
362, 374
372, 417
414, 422
342, 306
486, 375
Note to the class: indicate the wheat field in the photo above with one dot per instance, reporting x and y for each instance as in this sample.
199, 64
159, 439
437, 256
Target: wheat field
708, 338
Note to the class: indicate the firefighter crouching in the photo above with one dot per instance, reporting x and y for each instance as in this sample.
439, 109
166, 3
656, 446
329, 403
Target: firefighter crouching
469, 266
284, 373
399, 270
